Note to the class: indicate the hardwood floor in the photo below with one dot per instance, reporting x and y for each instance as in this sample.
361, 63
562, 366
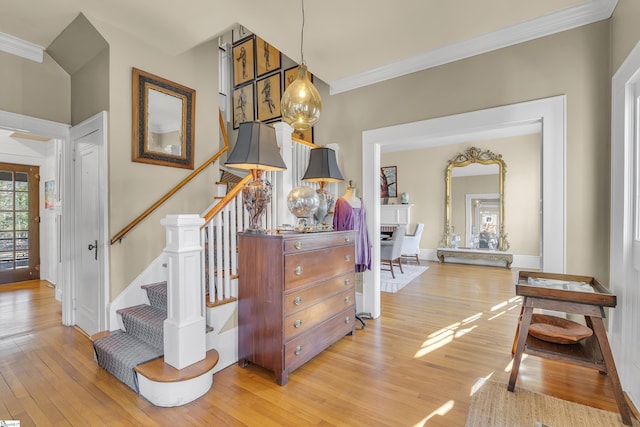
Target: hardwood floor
415, 365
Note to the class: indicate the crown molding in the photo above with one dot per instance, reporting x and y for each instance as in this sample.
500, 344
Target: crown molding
583, 14
19, 47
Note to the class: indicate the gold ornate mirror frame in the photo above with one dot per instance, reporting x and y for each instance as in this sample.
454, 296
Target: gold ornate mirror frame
159, 103
474, 155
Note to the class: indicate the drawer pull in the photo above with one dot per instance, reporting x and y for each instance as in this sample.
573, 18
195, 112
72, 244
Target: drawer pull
347, 281
347, 319
297, 323
298, 245
347, 239
297, 301
347, 258
347, 299
298, 271
298, 350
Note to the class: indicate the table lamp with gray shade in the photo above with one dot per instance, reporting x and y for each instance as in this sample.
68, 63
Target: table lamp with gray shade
257, 150
323, 168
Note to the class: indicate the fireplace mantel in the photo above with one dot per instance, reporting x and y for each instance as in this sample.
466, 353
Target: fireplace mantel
394, 215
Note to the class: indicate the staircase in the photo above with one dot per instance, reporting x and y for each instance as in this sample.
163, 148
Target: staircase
176, 332
142, 339
134, 354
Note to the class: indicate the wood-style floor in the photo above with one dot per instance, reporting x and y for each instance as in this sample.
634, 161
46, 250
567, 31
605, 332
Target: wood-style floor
415, 365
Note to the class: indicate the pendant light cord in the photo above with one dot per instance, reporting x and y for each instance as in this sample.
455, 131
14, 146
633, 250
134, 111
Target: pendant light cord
302, 35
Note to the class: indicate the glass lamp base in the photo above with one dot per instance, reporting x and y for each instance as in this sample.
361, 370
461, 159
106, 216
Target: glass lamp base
256, 196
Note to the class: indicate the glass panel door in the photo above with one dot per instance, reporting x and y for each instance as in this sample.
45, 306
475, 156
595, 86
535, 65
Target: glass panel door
19, 223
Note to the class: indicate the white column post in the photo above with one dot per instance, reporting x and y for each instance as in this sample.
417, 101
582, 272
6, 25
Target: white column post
184, 329
285, 183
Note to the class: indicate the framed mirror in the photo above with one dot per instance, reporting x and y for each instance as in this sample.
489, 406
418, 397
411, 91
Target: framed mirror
474, 201
163, 121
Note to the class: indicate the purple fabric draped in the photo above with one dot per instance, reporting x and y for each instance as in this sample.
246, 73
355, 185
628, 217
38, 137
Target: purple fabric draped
346, 217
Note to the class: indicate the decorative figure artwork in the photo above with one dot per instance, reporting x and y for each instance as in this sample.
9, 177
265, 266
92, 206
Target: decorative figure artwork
388, 181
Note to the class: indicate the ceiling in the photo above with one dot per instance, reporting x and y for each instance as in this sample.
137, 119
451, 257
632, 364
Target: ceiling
347, 43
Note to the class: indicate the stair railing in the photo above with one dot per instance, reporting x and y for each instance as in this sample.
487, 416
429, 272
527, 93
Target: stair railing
228, 217
120, 235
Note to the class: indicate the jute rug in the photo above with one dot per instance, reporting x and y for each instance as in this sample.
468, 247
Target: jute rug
389, 284
494, 406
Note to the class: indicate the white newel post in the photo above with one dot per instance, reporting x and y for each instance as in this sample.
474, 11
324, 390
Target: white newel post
184, 329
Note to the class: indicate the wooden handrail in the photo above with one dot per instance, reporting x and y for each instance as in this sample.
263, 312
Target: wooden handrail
175, 189
226, 199
303, 142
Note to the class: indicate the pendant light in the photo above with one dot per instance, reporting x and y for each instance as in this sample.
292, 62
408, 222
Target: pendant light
301, 103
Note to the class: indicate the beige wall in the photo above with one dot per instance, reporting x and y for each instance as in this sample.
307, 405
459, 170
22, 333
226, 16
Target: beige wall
35, 89
136, 186
625, 31
574, 63
421, 175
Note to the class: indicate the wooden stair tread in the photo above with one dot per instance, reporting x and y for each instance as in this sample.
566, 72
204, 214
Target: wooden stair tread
99, 335
159, 371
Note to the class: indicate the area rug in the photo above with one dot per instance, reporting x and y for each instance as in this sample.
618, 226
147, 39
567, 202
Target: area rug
389, 284
494, 406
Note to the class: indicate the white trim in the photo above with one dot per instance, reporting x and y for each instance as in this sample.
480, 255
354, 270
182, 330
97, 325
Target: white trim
582, 14
550, 112
95, 123
22, 48
621, 231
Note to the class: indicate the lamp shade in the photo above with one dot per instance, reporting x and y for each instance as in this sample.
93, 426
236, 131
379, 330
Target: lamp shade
322, 166
256, 148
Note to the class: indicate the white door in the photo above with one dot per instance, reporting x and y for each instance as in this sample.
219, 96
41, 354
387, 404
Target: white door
624, 324
89, 286
631, 301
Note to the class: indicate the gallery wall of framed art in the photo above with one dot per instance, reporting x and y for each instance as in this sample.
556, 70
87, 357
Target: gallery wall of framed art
259, 80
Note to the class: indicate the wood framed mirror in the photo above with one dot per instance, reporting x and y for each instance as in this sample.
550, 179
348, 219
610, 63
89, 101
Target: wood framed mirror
163, 121
474, 201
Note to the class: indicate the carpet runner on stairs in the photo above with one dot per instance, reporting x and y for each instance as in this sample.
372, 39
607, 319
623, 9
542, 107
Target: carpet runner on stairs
141, 340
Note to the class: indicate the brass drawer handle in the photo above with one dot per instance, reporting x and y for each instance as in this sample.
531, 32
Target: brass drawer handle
347, 258
297, 301
347, 319
347, 299
347, 281
298, 271
298, 245
298, 350
297, 323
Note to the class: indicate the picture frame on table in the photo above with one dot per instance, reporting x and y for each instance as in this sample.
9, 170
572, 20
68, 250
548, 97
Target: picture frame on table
267, 57
243, 62
243, 104
268, 95
388, 181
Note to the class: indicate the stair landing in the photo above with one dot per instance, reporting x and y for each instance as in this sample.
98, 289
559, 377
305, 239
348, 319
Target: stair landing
159, 371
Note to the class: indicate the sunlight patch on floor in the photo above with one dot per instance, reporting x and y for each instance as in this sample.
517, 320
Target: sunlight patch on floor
441, 411
479, 383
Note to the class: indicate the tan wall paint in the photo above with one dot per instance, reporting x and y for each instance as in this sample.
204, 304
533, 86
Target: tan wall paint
135, 186
35, 89
90, 88
625, 31
574, 63
421, 175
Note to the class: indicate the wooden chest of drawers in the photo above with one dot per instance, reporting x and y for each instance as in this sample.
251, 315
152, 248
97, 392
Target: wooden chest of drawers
296, 297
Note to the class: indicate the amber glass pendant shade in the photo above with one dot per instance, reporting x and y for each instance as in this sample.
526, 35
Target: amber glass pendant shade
301, 102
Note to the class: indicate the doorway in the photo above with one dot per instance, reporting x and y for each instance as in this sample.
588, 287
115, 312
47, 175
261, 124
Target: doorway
548, 115
19, 223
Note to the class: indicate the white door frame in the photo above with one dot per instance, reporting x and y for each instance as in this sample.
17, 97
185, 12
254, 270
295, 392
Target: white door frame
549, 114
97, 123
621, 263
